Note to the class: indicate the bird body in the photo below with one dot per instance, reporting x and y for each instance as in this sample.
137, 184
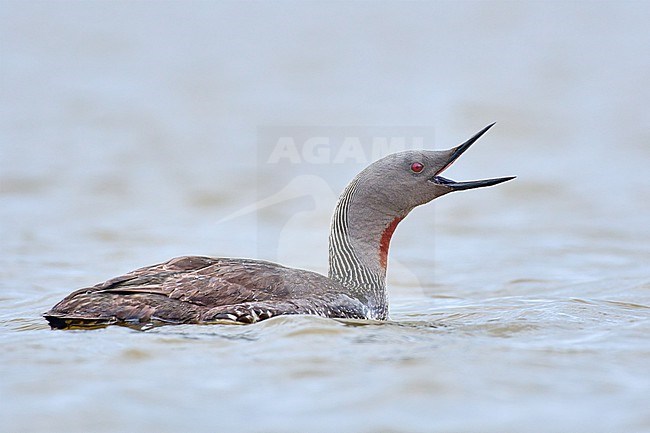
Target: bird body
195, 289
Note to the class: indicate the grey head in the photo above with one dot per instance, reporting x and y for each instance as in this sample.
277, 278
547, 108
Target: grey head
397, 183
372, 206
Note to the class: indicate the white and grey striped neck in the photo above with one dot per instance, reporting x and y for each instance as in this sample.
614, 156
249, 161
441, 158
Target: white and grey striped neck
358, 247
374, 203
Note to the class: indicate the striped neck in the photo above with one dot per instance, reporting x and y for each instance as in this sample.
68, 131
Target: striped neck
360, 236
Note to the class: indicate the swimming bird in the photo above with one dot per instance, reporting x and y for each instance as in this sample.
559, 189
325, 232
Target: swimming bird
197, 289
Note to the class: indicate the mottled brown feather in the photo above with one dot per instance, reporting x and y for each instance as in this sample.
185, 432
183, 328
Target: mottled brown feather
200, 290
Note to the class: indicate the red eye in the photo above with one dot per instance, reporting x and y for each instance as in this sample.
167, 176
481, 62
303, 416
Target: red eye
417, 167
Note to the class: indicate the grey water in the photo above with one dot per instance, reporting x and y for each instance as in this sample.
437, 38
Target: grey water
133, 132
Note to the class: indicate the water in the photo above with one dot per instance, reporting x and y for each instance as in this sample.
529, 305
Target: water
133, 133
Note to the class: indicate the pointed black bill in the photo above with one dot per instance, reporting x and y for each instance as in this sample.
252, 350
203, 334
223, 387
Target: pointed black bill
457, 152
471, 184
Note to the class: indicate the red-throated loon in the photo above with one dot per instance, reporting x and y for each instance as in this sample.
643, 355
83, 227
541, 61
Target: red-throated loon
196, 289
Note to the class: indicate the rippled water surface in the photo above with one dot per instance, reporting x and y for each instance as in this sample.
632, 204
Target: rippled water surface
136, 132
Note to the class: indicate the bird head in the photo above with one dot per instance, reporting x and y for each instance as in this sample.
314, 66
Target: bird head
405, 180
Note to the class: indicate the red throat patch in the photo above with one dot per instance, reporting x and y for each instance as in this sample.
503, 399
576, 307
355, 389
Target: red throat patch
384, 242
